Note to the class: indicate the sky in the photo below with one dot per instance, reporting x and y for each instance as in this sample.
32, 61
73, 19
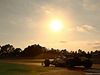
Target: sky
27, 22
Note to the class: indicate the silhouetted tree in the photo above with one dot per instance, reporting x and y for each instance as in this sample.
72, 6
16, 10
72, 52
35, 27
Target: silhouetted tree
91, 52
58, 51
17, 52
79, 51
75, 52
83, 52
32, 50
44, 49
0, 50
6, 50
0, 47
88, 52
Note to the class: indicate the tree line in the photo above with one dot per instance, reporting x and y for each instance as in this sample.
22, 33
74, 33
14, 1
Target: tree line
34, 50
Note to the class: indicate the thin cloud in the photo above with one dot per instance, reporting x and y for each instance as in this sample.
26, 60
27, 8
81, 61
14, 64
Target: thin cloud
94, 43
96, 47
97, 43
88, 27
80, 29
71, 29
63, 41
83, 28
47, 10
91, 5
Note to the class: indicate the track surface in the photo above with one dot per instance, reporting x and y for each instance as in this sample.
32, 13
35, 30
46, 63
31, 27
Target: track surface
78, 70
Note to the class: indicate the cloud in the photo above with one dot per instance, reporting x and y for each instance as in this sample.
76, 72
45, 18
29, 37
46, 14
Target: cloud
83, 28
80, 29
91, 4
96, 47
88, 27
98, 43
94, 43
63, 41
47, 9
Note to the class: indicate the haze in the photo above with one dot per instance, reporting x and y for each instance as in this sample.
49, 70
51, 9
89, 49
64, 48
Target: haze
26, 22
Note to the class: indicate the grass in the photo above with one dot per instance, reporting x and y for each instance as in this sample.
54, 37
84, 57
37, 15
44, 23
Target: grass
17, 69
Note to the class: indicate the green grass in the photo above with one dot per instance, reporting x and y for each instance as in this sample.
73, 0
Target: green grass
16, 69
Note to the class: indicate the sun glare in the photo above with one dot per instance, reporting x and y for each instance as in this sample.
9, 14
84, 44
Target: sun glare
56, 25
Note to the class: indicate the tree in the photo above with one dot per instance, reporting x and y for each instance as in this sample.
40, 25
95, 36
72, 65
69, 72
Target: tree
0, 50
32, 50
91, 52
80, 51
17, 52
7, 49
44, 49
0, 47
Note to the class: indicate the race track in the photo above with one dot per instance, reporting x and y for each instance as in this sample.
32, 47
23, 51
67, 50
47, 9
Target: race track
78, 70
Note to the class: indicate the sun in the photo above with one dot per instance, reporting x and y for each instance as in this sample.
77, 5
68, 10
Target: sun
56, 25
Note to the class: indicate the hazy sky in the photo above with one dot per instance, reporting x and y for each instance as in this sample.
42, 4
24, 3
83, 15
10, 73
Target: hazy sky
26, 22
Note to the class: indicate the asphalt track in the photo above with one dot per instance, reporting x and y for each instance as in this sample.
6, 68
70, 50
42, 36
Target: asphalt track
78, 70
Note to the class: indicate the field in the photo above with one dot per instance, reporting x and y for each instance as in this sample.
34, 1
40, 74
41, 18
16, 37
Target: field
17, 69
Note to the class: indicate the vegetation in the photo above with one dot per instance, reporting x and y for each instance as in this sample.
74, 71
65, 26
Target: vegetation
39, 52
16, 69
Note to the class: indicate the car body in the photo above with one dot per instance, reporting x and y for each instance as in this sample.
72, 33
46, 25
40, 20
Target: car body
71, 62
